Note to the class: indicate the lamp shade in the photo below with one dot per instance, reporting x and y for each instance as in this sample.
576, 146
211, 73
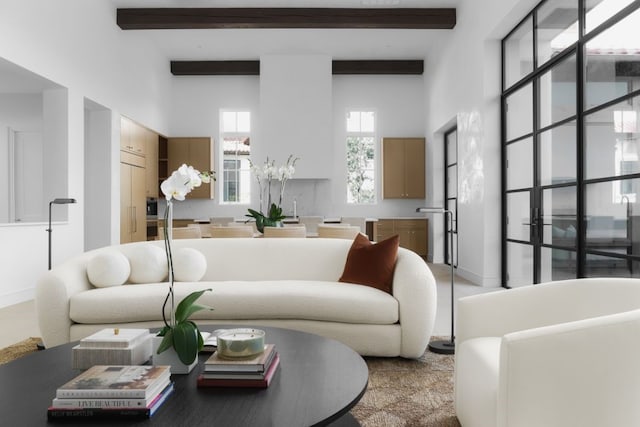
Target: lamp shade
63, 201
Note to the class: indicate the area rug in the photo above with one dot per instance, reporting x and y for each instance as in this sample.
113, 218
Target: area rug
17, 350
408, 393
401, 392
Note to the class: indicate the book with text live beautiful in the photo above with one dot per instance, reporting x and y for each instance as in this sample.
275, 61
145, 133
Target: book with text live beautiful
253, 383
111, 412
78, 403
259, 363
105, 381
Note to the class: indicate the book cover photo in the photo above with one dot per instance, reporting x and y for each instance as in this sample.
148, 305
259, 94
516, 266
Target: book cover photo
117, 381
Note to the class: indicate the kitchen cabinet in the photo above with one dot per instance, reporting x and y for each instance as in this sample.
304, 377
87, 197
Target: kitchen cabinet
133, 202
132, 137
412, 233
151, 149
403, 168
196, 152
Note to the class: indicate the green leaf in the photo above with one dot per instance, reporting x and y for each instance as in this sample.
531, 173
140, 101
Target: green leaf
185, 341
184, 309
167, 341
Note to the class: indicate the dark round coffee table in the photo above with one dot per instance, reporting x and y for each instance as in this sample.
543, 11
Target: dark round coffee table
318, 382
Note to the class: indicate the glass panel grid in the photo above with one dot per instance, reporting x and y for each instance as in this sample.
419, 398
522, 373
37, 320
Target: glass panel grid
518, 53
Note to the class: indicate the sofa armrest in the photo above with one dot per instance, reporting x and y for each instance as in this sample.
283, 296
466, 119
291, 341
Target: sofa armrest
53, 292
583, 373
498, 313
415, 289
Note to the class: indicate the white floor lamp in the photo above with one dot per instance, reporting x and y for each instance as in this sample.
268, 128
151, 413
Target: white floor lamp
443, 346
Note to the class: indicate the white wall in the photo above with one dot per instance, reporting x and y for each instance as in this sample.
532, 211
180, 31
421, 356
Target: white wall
463, 87
92, 58
397, 100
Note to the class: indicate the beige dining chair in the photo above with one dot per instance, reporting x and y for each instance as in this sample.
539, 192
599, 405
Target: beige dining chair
220, 220
231, 231
310, 222
187, 233
360, 222
338, 231
288, 231
204, 229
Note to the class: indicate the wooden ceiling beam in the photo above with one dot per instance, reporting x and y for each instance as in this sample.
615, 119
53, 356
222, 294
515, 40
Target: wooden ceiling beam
406, 67
203, 18
215, 68
339, 67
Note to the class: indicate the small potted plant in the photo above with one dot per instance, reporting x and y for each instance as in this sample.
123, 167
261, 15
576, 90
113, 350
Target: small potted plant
184, 336
179, 333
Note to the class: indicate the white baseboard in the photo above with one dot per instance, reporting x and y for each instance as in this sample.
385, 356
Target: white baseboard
488, 282
17, 297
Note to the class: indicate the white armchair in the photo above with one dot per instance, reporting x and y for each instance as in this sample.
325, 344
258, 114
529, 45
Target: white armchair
557, 354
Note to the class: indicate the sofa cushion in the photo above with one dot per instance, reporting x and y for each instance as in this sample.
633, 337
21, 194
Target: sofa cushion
189, 265
148, 263
371, 264
109, 268
476, 370
277, 299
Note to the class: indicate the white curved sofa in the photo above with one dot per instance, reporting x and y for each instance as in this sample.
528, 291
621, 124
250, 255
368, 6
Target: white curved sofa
562, 353
290, 283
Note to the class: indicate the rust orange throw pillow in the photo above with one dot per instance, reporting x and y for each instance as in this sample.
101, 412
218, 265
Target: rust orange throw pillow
371, 264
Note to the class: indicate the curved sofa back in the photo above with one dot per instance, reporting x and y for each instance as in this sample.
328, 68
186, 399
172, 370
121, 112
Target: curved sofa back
261, 259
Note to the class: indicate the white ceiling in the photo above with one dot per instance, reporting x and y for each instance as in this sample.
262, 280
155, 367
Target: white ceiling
227, 44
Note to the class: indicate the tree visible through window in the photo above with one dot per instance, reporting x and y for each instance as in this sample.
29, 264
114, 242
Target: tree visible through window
361, 157
236, 147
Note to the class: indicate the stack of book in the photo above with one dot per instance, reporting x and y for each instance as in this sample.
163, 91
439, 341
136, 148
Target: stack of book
113, 392
255, 372
113, 346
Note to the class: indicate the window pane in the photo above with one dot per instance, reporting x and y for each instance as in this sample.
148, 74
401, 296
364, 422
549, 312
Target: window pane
610, 217
519, 108
236, 151
452, 181
612, 62
244, 121
558, 92
558, 155
598, 11
557, 28
519, 264
366, 121
452, 205
518, 53
611, 140
518, 216
520, 164
229, 121
360, 170
452, 147
353, 121
557, 264
603, 266
559, 213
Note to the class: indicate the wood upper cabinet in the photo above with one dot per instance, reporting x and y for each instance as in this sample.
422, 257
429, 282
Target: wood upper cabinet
151, 140
403, 168
132, 137
412, 233
196, 152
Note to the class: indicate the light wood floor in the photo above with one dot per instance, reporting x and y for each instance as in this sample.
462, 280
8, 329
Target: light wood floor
20, 320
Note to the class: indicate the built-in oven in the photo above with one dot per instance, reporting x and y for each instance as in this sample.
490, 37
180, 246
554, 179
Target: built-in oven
152, 218
152, 208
